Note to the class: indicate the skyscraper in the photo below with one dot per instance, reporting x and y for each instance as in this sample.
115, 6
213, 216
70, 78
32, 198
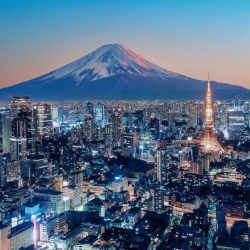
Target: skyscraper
5, 131
22, 127
127, 144
116, 126
157, 192
89, 110
20, 105
88, 127
161, 167
3, 170
100, 116
43, 125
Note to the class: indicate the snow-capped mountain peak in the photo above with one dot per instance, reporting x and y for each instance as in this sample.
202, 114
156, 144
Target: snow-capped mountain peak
110, 60
116, 72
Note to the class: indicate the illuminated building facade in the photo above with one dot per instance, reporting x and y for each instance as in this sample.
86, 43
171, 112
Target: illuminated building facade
43, 120
127, 144
236, 120
161, 166
89, 109
21, 236
5, 131
157, 192
3, 170
100, 115
116, 126
22, 127
88, 127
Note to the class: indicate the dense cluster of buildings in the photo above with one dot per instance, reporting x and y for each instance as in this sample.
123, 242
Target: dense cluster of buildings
125, 175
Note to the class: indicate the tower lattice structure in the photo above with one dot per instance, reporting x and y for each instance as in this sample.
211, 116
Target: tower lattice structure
209, 141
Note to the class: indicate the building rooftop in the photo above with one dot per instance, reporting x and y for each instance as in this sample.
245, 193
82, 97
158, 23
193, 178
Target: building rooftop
48, 191
20, 228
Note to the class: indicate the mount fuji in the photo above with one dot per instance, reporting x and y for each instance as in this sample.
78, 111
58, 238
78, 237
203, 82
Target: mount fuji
115, 72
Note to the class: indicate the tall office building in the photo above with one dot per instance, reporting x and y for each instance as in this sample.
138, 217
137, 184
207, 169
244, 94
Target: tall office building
116, 120
20, 105
21, 140
88, 127
5, 130
157, 193
89, 109
55, 113
140, 117
3, 170
42, 117
154, 126
236, 120
161, 168
127, 144
100, 116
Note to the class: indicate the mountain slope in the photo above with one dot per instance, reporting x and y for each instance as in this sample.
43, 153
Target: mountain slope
116, 72
110, 60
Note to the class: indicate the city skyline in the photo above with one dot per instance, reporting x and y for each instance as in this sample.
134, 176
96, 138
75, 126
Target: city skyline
189, 38
164, 175
108, 137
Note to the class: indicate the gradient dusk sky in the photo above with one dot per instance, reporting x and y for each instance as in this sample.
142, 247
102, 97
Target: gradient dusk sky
186, 36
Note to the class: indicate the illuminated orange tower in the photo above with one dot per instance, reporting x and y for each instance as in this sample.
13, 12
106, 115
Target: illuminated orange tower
209, 141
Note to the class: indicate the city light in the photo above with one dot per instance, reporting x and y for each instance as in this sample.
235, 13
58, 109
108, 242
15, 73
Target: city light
112, 151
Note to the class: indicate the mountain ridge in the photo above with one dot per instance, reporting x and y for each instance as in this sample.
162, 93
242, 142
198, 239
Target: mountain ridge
109, 60
114, 71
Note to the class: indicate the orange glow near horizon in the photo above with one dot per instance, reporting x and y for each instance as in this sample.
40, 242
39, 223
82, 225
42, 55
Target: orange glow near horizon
19, 68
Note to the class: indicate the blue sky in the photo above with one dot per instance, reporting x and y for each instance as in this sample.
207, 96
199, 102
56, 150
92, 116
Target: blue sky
186, 36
